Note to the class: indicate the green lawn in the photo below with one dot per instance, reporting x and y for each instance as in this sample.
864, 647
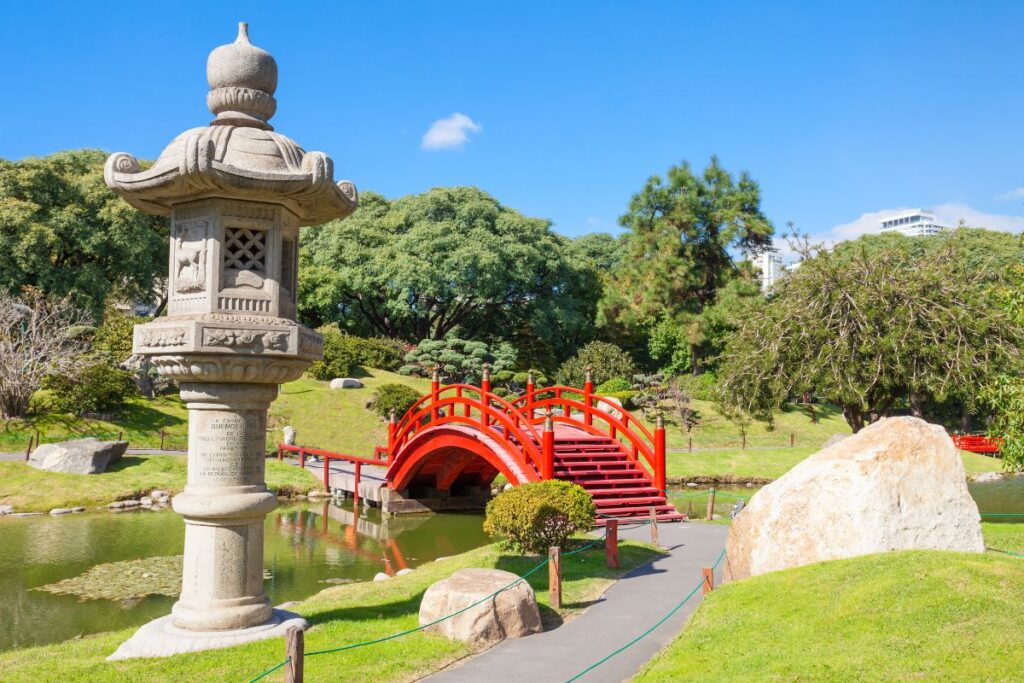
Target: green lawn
736, 465
30, 490
907, 616
340, 616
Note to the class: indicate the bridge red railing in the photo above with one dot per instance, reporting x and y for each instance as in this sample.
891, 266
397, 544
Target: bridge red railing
521, 424
327, 456
464, 404
977, 443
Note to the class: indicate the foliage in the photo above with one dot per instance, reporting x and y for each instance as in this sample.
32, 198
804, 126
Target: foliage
607, 360
613, 385
534, 517
63, 232
670, 346
393, 397
459, 360
868, 325
449, 262
96, 387
1004, 393
626, 398
39, 337
703, 387
344, 353
680, 235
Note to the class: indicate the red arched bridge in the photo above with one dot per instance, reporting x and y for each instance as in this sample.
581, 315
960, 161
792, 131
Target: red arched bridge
449, 447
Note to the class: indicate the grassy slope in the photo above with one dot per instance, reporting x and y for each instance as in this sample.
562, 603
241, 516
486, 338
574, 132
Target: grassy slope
920, 615
341, 616
30, 490
715, 431
737, 464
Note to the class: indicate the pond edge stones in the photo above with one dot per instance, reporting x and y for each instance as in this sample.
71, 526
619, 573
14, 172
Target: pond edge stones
237, 194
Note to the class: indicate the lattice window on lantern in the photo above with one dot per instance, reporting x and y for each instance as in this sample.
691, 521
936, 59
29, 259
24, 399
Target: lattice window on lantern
245, 249
288, 265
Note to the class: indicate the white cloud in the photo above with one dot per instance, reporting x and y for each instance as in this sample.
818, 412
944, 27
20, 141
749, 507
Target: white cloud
450, 133
952, 212
1011, 195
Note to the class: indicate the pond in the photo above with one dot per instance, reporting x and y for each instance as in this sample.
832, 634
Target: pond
305, 546
1003, 496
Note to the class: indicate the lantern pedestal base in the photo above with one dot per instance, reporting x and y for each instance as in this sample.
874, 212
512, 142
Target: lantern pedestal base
161, 638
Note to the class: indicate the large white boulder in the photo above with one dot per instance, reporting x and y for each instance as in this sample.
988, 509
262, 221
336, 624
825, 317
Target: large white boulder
79, 456
346, 383
610, 405
898, 484
289, 435
511, 613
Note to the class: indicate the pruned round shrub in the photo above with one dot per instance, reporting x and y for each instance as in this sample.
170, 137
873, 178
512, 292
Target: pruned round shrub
534, 517
624, 397
397, 397
613, 385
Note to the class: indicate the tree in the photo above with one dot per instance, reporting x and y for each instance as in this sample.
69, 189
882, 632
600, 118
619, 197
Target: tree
64, 233
1004, 393
606, 361
681, 233
39, 336
871, 325
459, 360
451, 261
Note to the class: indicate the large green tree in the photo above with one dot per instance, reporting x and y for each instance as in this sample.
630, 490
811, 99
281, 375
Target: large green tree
63, 232
683, 234
873, 325
451, 261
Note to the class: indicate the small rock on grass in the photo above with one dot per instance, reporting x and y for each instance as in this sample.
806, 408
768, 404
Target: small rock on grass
381, 576
403, 572
6, 509
60, 511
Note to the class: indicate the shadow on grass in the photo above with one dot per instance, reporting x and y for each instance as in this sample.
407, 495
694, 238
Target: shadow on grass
126, 462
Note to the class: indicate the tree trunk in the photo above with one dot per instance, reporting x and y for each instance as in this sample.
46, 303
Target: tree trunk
854, 417
965, 420
916, 405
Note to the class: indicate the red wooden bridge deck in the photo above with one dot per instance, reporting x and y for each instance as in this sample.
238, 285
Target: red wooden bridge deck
458, 438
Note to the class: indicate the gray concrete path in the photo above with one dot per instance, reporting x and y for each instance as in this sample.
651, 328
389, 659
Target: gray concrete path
631, 606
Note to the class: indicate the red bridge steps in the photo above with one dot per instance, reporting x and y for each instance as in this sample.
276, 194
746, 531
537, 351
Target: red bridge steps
620, 486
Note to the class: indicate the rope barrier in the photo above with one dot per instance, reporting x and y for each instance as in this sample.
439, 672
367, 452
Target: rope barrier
271, 670
1004, 552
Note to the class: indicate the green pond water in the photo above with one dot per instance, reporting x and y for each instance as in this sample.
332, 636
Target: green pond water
305, 545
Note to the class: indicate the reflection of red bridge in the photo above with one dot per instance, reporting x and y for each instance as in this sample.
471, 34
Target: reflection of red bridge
447, 449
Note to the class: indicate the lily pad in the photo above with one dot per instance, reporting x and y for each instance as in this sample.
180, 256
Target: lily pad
124, 581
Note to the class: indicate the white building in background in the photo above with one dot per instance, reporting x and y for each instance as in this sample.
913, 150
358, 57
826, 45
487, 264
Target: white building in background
771, 269
913, 223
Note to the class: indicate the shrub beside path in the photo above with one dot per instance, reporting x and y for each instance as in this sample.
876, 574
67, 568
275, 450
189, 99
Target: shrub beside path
631, 606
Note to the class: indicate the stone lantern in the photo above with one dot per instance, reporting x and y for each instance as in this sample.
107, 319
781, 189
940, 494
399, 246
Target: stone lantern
237, 193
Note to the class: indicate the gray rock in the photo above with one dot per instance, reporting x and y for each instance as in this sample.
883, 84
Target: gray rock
834, 439
988, 476
346, 383
60, 511
511, 613
6, 509
79, 456
145, 501
289, 435
78, 508
507, 487
381, 576
403, 572
25, 514
338, 582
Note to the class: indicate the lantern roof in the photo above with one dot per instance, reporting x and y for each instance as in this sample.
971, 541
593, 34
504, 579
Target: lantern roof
238, 155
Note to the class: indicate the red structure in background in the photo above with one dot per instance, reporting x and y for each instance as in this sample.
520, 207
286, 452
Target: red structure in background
977, 443
460, 435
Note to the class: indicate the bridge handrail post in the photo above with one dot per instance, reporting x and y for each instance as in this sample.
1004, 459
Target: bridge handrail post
549, 447
659, 453
435, 390
392, 430
485, 394
355, 485
588, 391
531, 387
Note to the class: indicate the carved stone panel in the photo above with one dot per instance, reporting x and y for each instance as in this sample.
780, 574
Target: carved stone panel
189, 255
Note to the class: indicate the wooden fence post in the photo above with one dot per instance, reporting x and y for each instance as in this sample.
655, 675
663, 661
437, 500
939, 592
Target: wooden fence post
555, 577
691, 444
654, 527
611, 544
294, 650
161, 439
792, 439
709, 580
120, 434
28, 451
744, 441
711, 504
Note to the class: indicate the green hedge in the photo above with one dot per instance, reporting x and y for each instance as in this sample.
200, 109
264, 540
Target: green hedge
344, 354
614, 385
624, 397
397, 397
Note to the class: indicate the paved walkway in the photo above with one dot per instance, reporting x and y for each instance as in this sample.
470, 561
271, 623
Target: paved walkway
631, 606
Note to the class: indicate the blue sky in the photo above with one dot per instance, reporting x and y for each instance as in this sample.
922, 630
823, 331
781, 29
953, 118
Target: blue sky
839, 110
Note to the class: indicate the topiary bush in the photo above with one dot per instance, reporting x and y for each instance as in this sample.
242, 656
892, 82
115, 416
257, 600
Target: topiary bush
608, 361
613, 385
533, 517
624, 397
397, 397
